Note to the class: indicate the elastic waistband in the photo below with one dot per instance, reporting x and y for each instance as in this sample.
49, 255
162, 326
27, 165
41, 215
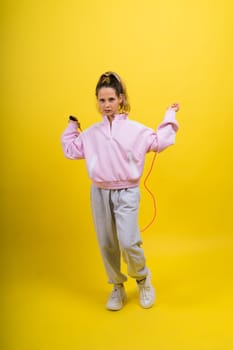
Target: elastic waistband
116, 185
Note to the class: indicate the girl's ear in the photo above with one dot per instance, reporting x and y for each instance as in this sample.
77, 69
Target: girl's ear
121, 98
121, 102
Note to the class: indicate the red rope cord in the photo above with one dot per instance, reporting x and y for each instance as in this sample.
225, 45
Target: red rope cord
151, 194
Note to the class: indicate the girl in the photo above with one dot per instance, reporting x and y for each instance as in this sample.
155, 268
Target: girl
114, 150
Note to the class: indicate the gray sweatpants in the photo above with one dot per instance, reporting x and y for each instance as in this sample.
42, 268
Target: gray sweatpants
115, 214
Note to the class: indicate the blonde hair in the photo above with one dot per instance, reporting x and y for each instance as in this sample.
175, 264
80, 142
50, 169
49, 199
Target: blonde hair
112, 79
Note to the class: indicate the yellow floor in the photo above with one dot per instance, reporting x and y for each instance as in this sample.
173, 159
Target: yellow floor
57, 310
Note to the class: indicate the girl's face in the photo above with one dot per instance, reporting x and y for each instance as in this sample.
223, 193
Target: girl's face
108, 101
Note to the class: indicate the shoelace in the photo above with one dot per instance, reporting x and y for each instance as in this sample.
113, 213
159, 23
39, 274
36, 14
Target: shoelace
144, 290
115, 293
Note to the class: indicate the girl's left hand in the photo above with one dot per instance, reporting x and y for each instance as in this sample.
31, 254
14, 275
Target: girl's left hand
175, 107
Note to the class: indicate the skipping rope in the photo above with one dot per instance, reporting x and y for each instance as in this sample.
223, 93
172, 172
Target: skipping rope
144, 183
151, 194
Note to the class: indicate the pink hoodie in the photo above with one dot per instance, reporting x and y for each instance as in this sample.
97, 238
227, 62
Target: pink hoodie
115, 155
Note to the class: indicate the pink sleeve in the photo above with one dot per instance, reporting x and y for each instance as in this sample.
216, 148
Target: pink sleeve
72, 143
166, 132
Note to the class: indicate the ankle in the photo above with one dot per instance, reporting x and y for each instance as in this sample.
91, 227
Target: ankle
118, 285
142, 281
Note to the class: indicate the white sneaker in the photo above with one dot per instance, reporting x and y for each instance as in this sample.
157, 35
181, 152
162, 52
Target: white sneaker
117, 298
146, 292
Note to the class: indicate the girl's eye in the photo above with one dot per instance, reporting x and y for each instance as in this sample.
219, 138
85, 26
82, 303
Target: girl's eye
111, 99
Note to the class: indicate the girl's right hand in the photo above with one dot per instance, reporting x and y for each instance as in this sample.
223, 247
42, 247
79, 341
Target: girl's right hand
74, 119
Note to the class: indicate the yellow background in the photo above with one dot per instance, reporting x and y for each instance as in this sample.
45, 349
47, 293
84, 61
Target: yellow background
54, 283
